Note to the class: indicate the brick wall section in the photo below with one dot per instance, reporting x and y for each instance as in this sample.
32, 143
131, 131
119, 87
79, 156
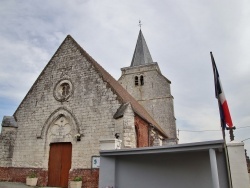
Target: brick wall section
20, 174
142, 128
5, 174
90, 177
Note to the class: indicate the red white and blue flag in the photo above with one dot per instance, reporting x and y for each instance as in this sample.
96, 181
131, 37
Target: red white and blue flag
219, 93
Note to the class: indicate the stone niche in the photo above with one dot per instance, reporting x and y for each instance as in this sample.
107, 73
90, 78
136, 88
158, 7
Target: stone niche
61, 130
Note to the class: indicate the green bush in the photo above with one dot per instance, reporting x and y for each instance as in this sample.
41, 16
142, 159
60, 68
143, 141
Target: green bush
32, 175
77, 178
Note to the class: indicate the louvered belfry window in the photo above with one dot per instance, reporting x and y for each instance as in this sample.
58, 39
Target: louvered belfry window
136, 81
142, 80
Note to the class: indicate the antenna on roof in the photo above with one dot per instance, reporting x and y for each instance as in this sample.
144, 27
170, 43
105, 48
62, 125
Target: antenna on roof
140, 24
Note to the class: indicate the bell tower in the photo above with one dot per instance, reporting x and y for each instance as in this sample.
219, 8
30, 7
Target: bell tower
144, 81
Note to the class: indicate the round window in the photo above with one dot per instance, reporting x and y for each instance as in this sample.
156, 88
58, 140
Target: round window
63, 90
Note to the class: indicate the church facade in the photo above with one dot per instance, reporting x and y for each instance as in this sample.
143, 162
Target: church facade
73, 105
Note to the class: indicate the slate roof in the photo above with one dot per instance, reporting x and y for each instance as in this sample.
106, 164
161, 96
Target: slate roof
141, 54
121, 110
9, 121
117, 88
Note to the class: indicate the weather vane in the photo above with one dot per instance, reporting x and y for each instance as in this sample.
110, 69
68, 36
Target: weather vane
140, 24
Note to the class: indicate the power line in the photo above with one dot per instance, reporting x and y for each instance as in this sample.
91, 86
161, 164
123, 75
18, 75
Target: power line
210, 130
242, 127
197, 131
245, 139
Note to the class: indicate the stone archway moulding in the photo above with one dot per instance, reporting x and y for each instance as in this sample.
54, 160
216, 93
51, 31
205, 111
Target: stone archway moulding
41, 133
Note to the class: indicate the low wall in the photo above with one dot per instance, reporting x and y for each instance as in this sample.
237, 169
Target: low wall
89, 176
238, 164
19, 174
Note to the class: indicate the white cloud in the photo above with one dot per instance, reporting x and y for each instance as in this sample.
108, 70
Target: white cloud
21, 62
179, 34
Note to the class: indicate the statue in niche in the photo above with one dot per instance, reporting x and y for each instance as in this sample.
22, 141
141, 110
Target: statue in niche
65, 89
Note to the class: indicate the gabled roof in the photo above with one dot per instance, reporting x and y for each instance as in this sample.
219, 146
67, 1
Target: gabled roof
117, 88
141, 54
122, 94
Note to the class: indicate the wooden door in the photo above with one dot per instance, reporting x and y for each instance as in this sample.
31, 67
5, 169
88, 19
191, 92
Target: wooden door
59, 164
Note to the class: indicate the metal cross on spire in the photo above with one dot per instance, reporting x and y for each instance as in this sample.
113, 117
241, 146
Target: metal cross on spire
140, 24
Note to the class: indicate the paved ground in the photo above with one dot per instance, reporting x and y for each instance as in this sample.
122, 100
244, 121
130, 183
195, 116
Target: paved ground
16, 185
13, 185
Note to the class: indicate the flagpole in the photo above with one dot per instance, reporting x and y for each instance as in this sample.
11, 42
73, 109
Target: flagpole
225, 116
218, 91
218, 99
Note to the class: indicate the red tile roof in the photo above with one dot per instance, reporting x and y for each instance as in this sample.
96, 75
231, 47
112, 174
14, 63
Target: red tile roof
117, 88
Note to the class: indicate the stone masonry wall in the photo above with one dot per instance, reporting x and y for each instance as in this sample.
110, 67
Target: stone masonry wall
7, 141
88, 111
129, 134
154, 94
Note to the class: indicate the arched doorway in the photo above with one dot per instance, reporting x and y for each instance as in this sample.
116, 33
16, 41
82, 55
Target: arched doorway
59, 138
60, 155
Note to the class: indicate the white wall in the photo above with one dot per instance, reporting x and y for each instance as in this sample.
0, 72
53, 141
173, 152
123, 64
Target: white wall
238, 165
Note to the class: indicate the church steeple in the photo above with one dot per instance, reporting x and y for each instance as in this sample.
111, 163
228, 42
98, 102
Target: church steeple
141, 54
145, 82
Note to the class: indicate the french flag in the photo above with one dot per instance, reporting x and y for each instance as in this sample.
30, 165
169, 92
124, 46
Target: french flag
219, 93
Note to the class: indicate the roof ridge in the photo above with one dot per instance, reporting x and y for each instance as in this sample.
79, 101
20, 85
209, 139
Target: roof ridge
122, 93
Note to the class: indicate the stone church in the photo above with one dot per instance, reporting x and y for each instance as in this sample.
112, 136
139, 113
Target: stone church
73, 105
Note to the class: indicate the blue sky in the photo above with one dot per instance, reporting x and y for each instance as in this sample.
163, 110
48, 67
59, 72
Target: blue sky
179, 34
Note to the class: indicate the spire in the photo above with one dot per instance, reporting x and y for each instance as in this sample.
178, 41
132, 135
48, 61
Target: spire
141, 54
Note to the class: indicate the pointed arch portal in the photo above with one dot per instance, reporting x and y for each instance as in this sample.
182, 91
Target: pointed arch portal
53, 120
